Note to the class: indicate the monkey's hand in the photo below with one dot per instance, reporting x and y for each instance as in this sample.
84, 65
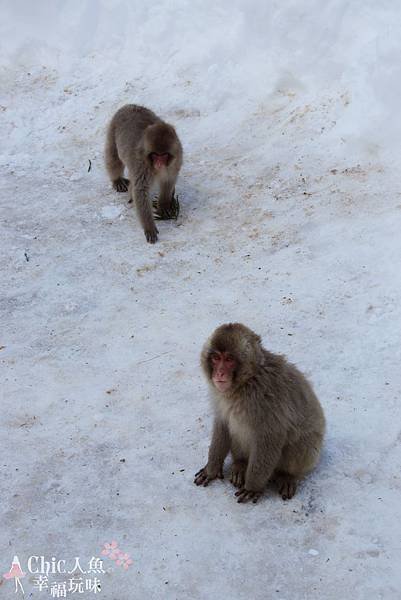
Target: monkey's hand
205, 476
163, 213
244, 495
151, 235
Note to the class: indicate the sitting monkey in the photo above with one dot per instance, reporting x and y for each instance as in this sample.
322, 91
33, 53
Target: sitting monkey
266, 414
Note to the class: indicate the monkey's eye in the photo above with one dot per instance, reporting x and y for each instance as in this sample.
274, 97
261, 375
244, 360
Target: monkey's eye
229, 360
214, 357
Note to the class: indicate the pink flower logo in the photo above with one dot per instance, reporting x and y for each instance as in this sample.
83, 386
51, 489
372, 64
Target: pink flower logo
124, 560
121, 558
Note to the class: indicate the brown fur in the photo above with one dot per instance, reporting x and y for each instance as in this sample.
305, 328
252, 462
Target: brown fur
133, 134
270, 419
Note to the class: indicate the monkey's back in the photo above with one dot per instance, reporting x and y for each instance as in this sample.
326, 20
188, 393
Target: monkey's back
290, 396
127, 127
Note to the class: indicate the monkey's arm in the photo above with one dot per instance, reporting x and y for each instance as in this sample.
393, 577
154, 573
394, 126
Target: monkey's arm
219, 448
139, 189
264, 457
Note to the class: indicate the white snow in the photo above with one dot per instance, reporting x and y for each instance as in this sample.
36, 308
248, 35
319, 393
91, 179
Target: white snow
110, 211
290, 222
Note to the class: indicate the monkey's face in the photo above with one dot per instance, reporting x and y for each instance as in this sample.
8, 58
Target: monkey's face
160, 161
231, 356
223, 367
161, 146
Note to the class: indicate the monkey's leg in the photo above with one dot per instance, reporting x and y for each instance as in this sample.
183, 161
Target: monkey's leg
237, 475
114, 166
264, 456
140, 192
286, 484
238, 468
219, 448
295, 462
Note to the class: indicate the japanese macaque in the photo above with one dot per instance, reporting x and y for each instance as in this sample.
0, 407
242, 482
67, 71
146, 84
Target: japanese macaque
266, 414
151, 151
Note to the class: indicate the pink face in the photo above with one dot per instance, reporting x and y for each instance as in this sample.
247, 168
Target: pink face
223, 369
159, 160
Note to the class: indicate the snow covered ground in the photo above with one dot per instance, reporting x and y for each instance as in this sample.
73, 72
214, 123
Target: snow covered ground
290, 222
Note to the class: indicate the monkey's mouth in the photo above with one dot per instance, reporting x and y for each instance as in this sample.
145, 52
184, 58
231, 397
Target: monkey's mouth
222, 386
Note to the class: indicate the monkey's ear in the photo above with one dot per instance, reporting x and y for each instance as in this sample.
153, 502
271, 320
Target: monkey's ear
248, 344
205, 362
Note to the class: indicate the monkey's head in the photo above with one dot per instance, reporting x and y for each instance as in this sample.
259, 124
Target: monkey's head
162, 146
231, 356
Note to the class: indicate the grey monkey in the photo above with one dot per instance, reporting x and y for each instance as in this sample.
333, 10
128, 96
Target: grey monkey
150, 149
266, 414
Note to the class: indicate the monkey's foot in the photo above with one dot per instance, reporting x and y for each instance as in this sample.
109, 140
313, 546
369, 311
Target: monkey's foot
202, 477
121, 184
237, 475
151, 235
287, 485
244, 495
170, 212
